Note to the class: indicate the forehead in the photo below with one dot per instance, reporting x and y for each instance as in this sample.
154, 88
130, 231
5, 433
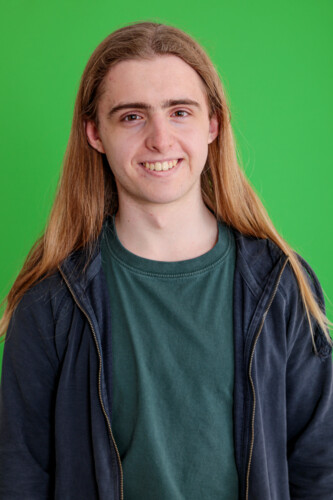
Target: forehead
152, 80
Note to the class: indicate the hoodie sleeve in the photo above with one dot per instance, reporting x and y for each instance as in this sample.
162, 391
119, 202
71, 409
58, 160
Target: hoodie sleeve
309, 406
27, 394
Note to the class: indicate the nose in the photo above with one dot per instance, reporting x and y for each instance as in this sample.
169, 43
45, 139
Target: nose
159, 135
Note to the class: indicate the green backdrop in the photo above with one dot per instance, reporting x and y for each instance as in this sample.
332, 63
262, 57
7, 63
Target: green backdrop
276, 63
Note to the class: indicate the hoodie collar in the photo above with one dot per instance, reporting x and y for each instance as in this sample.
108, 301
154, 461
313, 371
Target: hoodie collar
255, 260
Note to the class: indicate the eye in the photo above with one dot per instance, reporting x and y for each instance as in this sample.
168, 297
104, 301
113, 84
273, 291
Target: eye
181, 113
131, 117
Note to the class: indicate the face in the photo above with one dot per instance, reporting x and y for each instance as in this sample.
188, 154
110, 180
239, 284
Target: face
154, 128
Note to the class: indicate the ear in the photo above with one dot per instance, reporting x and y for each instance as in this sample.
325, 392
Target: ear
213, 129
93, 136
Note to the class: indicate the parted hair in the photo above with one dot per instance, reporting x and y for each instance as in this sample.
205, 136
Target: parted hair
87, 191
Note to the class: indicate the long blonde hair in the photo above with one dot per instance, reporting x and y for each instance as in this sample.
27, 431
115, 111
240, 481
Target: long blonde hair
87, 190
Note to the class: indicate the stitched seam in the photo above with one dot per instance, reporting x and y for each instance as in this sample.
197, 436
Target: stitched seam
308, 464
167, 276
203, 270
57, 313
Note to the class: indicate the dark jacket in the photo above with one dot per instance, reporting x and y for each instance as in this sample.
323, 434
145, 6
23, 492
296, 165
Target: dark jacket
56, 440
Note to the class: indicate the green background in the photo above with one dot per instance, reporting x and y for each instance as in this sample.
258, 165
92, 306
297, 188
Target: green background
275, 60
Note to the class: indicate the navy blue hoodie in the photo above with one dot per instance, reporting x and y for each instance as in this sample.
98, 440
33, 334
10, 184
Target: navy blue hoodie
56, 440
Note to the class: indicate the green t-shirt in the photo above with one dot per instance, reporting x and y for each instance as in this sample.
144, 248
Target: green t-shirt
172, 354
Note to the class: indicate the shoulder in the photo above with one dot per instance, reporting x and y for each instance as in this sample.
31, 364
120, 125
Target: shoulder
262, 256
38, 323
261, 261
47, 297
300, 323
258, 260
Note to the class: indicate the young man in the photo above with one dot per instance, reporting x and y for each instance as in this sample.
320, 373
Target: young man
159, 346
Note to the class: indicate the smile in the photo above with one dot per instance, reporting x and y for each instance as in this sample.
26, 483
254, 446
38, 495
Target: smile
160, 166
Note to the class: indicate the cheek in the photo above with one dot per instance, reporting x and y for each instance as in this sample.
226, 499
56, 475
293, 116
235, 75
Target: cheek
197, 136
116, 154
120, 159
119, 147
198, 144
200, 152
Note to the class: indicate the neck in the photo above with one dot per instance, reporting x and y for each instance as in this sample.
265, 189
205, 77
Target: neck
167, 232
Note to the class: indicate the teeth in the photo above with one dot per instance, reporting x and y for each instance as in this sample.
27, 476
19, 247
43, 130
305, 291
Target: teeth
158, 166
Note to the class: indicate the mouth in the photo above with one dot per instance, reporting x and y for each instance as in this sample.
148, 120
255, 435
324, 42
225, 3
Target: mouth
161, 166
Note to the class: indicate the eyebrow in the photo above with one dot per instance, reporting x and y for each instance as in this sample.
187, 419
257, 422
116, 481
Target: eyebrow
142, 105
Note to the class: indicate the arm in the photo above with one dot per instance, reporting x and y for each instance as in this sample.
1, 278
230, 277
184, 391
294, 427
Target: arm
27, 393
309, 408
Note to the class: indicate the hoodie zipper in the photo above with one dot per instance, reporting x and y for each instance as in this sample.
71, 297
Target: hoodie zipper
251, 380
99, 382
